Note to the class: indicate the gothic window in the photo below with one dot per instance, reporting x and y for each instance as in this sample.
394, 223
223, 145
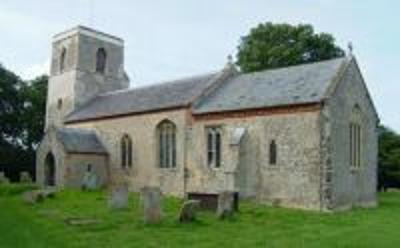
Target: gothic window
355, 138
166, 144
214, 147
59, 103
101, 59
126, 151
63, 57
272, 153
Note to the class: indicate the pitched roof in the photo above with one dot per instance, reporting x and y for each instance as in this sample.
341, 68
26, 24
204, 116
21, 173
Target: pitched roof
293, 85
77, 140
167, 95
301, 84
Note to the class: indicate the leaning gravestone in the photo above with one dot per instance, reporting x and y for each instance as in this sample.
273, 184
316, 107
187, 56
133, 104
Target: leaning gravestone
151, 200
189, 210
89, 181
25, 177
32, 197
119, 196
48, 193
35, 196
3, 178
225, 204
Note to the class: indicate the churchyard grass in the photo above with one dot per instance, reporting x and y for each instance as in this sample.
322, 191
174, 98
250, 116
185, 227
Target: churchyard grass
44, 225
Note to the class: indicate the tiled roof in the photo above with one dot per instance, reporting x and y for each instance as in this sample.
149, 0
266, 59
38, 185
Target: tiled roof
293, 85
279, 87
155, 97
77, 140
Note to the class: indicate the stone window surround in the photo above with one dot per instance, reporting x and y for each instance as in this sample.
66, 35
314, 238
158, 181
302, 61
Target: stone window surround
166, 145
356, 140
101, 61
126, 151
215, 147
59, 103
62, 59
273, 153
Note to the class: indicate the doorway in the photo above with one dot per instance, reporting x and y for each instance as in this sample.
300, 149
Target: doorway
50, 170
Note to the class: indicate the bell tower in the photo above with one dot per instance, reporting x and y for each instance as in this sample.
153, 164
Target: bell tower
84, 64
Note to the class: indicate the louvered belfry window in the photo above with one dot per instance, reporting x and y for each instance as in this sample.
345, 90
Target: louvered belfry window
101, 60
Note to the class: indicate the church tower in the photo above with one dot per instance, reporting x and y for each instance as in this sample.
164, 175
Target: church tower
84, 64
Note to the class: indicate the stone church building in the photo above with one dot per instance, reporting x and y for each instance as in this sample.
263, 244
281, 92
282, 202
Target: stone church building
303, 136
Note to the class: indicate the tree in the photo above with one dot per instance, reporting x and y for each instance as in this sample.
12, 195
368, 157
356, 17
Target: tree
34, 110
22, 111
389, 158
279, 45
10, 114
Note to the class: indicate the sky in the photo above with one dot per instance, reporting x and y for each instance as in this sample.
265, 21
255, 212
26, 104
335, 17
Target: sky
176, 38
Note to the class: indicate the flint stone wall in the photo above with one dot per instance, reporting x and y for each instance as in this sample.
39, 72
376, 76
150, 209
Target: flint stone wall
145, 170
351, 187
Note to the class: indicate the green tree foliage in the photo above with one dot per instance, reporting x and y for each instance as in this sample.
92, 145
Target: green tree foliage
389, 158
278, 45
22, 110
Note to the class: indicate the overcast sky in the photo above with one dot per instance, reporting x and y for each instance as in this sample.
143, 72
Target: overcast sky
170, 39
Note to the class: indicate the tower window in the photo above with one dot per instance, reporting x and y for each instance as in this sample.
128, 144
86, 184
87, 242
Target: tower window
63, 56
59, 104
101, 59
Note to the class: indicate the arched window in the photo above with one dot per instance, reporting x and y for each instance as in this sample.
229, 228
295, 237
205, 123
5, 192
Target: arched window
166, 144
59, 103
272, 153
101, 59
126, 151
63, 57
355, 137
214, 147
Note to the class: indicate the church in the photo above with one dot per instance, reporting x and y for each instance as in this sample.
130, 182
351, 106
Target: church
300, 137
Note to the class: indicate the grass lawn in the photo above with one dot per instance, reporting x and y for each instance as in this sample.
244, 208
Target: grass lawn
43, 225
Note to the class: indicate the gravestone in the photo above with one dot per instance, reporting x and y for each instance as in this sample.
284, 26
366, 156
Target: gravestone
151, 200
32, 197
89, 181
119, 196
35, 196
81, 221
3, 178
189, 210
226, 206
48, 193
25, 177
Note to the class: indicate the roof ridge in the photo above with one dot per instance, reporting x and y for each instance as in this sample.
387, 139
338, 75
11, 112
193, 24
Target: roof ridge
157, 84
297, 65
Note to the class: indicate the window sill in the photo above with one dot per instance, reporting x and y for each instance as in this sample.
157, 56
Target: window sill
355, 169
213, 168
171, 169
